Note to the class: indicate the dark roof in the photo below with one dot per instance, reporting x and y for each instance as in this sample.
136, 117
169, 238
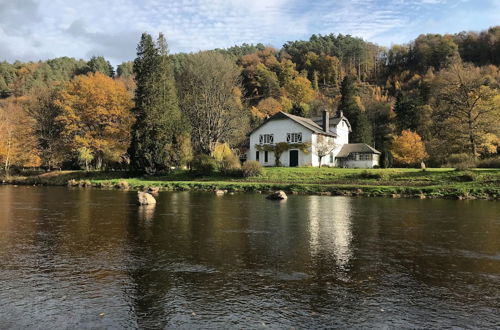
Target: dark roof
305, 122
334, 121
356, 147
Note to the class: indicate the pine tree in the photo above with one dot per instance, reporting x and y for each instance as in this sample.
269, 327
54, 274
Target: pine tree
360, 125
158, 118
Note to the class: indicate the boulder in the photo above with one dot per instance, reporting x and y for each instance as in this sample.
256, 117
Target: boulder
72, 183
122, 185
219, 192
144, 198
153, 190
277, 195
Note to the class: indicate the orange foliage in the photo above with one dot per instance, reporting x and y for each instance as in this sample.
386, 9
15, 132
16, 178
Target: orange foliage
269, 106
408, 148
96, 115
18, 145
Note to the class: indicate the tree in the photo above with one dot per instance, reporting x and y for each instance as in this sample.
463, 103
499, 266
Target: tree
324, 146
433, 50
42, 108
17, 142
269, 106
156, 131
466, 105
85, 156
351, 107
99, 64
95, 114
408, 148
209, 98
300, 90
126, 69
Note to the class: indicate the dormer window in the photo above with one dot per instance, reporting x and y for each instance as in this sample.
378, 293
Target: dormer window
294, 137
266, 138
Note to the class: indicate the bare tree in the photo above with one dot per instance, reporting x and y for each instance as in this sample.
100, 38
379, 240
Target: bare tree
324, 146
208, 93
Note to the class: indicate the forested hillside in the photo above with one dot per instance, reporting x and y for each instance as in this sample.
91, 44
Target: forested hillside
160, 110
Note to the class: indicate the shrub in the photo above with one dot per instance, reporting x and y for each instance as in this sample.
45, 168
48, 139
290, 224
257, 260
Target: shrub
489, 163
466, 177
230, 164
461, 161
251, 168
370, 175
204, 164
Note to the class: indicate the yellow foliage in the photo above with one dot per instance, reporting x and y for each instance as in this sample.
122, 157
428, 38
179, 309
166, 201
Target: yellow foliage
300, 90
96, 114
269, 106
256, 113
408, 148
286, 104
222, 150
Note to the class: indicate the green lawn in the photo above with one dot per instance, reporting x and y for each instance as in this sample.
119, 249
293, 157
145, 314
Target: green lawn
438, 182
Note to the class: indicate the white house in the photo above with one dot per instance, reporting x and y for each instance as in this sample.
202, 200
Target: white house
308, 139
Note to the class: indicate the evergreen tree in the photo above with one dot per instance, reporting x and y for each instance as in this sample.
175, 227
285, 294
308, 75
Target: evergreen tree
156, 131
360, 125
99, 64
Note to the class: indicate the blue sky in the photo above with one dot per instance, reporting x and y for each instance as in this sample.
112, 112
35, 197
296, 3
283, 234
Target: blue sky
41, 29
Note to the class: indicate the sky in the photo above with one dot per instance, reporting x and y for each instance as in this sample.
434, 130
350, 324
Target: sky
32, 30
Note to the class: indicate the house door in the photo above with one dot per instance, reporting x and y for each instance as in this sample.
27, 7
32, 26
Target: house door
294, 158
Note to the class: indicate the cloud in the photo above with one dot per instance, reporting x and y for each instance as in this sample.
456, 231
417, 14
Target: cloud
38, 29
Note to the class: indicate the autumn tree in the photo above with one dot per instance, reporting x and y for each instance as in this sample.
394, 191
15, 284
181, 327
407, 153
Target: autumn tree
299, 90
18, 145
269, 106
466, 105
209, 98
95, 114
408, 148
158, 130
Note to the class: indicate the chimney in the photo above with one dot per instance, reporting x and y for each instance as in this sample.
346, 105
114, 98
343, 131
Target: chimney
326, 121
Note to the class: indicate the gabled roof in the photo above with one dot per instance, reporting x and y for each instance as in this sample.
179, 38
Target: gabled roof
356, 147
305, 122
334, 121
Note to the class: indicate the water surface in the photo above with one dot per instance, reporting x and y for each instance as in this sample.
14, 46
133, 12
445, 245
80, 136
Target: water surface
82, 258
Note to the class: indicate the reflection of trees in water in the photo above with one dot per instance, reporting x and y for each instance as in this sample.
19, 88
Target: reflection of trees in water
330, 228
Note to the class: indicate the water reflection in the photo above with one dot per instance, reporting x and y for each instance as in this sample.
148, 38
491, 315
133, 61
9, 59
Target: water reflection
89, 258
330, 228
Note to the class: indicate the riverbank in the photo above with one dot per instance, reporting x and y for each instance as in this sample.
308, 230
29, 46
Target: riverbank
415, 183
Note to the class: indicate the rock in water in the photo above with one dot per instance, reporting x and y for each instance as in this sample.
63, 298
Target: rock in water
144, 198
153, 190
219, 192
277, 195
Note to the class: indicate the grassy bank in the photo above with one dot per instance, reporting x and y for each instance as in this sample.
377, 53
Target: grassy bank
432, 183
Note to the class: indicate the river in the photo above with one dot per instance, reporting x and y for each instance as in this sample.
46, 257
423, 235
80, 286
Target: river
87, 258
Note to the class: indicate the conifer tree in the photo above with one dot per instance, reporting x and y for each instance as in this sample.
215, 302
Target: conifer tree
360, 125
156, 132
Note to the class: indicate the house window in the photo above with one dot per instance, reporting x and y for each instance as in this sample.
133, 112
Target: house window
266, 138
365, 157
331, 157
294, 137
265, 157
352, 156
257, 155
